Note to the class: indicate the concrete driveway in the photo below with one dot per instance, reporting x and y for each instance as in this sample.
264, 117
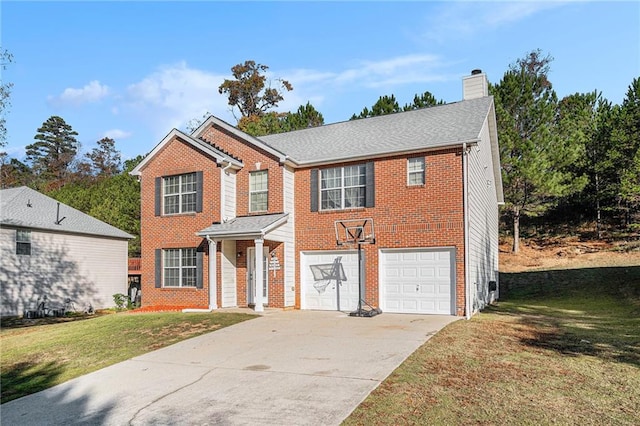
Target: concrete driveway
286, 367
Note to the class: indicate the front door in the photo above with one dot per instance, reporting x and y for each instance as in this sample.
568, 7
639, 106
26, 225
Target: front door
251, 276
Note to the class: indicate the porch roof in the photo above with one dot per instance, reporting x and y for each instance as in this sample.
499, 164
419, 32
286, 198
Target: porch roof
245, 227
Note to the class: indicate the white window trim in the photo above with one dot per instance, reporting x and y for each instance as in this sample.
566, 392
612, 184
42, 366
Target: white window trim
26, 241
262, 191
421, 172
180, 268
180, 194
342, 188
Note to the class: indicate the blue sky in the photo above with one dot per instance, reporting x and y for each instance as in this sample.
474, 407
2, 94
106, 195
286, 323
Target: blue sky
135, 70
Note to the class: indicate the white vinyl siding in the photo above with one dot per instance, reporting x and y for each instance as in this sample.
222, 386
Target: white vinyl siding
228, 204
258, 191
228, 274
179, 194
289, 246
87, 269
179, 267
483, 223
415, 171
342, 187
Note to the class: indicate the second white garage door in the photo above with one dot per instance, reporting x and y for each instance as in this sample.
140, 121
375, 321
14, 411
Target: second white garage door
417, 281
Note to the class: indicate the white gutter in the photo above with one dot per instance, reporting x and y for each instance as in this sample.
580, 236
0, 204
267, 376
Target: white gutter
465, 192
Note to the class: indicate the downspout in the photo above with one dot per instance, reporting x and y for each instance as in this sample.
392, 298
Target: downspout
465, 193
213, 296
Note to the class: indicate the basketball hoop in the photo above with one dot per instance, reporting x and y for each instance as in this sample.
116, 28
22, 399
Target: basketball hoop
358, 231
355, 231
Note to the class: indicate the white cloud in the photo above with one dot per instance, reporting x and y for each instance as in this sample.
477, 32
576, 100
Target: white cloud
458, 20
116, 134
417, 68
92, 92
175, 94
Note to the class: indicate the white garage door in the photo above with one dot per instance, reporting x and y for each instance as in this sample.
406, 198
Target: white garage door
314, 296
417, 281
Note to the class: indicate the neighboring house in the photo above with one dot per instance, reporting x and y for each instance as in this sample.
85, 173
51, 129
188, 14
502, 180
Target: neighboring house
53, 250
430, 180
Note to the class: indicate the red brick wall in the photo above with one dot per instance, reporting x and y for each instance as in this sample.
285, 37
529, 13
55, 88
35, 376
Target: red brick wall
249, 155
430, 215
178, 231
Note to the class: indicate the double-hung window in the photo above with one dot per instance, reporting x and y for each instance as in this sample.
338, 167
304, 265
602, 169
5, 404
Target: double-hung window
415, 171
23, 242
342, 187
180, 267
180, 193
258, 191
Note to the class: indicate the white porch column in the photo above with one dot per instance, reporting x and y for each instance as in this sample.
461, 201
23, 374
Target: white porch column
259, 275
213, 275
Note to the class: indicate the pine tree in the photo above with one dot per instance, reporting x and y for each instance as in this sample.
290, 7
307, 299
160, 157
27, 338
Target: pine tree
423, 101
534, 159
626, 139
53, 152
306, 116
105, 159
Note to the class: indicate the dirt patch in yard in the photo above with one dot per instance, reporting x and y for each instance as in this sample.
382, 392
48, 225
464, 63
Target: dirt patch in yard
565, 253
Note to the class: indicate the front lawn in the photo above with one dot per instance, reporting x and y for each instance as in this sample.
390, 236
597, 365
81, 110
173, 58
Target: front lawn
39, 357
562, 348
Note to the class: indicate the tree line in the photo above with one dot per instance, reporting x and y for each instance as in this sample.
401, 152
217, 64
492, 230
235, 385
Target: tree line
570, 160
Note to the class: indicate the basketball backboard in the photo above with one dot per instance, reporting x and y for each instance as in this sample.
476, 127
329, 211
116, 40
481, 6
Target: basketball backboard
355, 231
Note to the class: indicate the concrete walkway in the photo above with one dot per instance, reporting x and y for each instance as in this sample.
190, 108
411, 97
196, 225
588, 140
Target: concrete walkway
286, 367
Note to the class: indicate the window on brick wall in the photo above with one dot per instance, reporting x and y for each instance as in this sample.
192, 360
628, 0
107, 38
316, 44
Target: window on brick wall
342, 187
179, 194
23, 242
179, 267
258, 191
415, 171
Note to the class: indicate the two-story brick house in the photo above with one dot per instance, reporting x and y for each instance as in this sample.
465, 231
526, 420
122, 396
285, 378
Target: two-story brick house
428, 179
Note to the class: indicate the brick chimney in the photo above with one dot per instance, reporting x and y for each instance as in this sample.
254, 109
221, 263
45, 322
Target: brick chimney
475, 85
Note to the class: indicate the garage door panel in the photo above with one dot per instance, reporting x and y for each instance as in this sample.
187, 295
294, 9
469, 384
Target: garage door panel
417, 281
327, 299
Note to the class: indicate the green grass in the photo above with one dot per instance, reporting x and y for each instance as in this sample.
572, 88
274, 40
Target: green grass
563, 347
38, 357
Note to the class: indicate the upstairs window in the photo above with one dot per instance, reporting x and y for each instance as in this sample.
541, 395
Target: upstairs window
415, 171
345, 187
179, 267
342, 187
258, 191
179, 193
23, 242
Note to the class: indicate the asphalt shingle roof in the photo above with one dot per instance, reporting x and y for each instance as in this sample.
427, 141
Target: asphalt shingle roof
27, 208
425, 128
245, 225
